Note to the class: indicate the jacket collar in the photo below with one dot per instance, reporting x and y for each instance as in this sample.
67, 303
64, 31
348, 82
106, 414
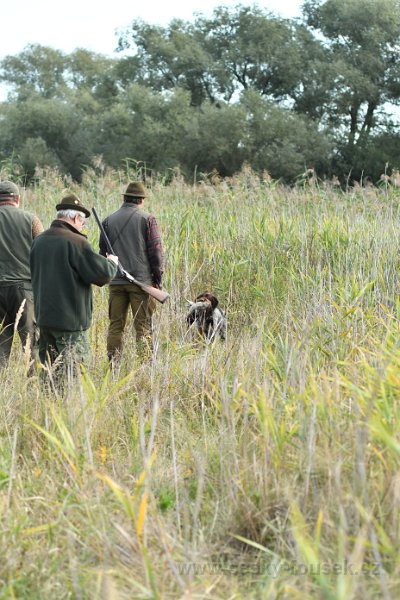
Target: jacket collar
8, 203
130, 205
58, 223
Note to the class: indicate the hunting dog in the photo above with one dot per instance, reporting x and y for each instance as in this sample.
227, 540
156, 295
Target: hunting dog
205, 314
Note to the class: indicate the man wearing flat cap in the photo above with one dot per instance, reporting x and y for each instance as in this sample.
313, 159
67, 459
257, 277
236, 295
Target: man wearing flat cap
18, 228
64, 266
135, 237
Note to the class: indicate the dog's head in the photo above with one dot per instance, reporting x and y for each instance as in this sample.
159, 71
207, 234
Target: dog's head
208, 297
201, 309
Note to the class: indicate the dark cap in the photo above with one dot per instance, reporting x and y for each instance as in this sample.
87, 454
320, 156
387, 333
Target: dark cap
8, 188
135, 189
72, 202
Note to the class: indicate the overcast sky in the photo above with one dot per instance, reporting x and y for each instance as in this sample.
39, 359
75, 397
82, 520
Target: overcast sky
92, 24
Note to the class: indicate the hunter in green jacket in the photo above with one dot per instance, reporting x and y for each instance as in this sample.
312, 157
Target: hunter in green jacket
18, 228
63, 268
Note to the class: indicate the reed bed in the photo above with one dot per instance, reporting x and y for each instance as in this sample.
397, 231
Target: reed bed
263, 467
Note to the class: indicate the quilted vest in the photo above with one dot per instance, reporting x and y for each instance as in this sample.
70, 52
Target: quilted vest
127, 229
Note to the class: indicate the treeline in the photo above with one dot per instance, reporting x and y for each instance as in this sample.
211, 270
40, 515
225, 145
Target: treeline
285, 96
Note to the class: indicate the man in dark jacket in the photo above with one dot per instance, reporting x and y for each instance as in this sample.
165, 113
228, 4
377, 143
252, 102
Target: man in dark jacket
18, 228
135, 237
63, 266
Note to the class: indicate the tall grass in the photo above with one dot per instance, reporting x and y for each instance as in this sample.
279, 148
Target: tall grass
263, 467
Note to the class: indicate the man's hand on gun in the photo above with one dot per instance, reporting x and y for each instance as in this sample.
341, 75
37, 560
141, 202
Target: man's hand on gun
112, 258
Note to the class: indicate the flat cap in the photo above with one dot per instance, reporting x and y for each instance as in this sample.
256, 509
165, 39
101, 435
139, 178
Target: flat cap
72, 202
8, 188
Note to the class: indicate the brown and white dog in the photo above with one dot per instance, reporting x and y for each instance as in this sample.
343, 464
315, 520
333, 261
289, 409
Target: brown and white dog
205, 314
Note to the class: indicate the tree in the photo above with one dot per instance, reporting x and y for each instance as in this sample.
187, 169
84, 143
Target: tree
282, 142
171, 57
212, 140
308, 74
49, 127
37, 69
94, 73
214, 58
249, 48
240, 86
362, 41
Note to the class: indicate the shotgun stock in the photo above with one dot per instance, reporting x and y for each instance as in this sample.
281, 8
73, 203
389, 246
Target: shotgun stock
152, 291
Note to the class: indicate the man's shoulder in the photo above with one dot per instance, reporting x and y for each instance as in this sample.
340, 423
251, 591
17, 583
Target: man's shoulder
113, 215
145, 214
27, 213
19, 213
125, 212
63, 233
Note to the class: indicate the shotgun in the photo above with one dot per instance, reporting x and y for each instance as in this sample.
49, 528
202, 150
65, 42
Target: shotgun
152, 291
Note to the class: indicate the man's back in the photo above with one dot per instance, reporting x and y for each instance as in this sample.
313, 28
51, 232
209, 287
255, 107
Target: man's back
135, 238
15, 242
127, 230
17, 230
64, 266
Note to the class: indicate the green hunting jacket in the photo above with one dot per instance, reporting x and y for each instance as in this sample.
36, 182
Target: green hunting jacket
15, 242
63, 267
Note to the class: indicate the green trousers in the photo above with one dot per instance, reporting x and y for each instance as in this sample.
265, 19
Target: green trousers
121, 298
69, 345
11, 299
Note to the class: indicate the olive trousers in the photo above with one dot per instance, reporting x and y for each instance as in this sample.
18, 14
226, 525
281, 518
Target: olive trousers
142, 307
14, 314
68, 345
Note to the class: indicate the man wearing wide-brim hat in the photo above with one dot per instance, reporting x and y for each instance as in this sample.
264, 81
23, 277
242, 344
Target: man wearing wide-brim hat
18, 228
135, 238
64, 266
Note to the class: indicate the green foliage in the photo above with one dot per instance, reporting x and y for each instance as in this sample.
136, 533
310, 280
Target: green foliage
259, 56
44, 132
284, 144
37, 69
210, 96
89, 71
166, 499
362, 48
170, 57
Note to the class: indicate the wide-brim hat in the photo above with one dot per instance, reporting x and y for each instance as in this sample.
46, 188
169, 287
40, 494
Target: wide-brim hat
7, 189
135, 189
72, 202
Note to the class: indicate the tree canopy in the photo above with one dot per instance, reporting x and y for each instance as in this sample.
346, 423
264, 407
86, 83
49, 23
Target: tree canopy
240, 87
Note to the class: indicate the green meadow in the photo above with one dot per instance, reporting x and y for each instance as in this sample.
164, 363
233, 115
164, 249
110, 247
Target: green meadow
263, 467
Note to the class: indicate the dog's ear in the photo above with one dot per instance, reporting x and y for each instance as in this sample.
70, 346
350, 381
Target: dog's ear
212, 299
202, 297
